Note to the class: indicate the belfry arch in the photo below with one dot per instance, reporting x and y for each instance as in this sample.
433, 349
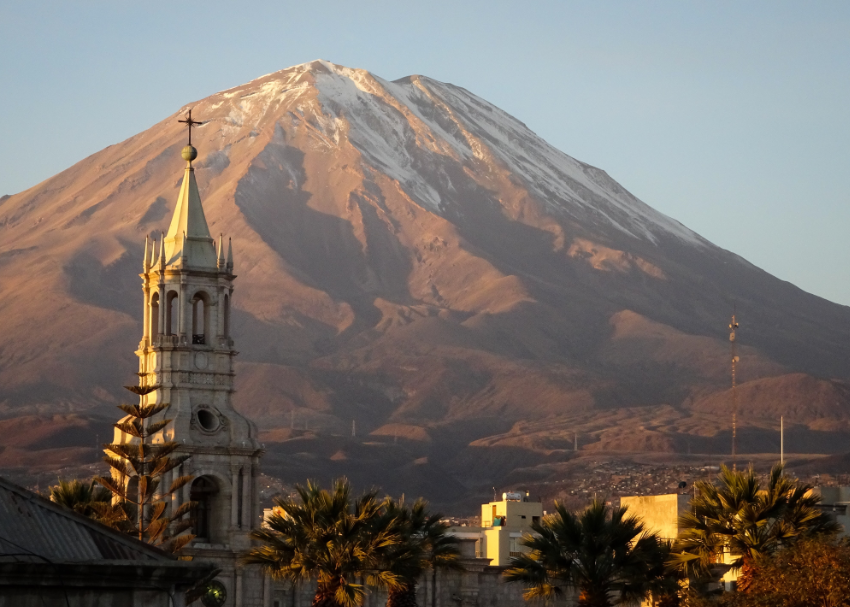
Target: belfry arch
154, 316
208, 513
226, 312
201, 318
171, 310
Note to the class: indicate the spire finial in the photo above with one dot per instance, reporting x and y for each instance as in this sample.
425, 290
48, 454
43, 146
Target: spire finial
229, 265
147, 258
221, 263
189, 153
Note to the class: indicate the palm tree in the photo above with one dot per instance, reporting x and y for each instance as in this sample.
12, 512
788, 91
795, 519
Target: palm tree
601, 552
79, 496
328, 536
424, 543
747, 520
92, 501
442, 552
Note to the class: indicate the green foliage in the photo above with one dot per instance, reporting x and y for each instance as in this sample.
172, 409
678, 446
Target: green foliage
423, 544
329, 536
814, 572
749, 520
138, 468
601, 552
80, 496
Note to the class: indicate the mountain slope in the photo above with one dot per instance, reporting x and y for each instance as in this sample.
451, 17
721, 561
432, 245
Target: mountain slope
407, 254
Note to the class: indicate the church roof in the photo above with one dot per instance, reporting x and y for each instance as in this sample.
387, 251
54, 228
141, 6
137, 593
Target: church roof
34, 529
188, 241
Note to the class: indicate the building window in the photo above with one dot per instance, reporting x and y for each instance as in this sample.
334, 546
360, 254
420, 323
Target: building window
515, 547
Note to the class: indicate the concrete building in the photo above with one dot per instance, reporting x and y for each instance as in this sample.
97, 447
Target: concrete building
834, 503
187, 349
660, 513
50, 555
503, 524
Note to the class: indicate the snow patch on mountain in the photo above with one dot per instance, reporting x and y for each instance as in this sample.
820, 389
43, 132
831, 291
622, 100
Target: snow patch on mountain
407, 127
385, 118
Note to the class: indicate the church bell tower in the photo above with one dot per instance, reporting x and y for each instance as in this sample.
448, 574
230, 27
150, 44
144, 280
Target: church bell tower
188, 351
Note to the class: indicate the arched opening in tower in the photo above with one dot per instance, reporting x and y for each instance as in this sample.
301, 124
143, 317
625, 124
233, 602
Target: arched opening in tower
200, 318
203, 492
154, 316
227, 316
171, 313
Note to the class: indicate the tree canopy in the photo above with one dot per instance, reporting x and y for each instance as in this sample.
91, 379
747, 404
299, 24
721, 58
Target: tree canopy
602, 553
747, 519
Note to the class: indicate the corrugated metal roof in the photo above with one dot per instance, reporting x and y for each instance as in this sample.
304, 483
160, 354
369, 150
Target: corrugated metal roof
34, 528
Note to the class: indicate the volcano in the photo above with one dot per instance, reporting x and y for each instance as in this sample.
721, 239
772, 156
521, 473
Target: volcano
430, 296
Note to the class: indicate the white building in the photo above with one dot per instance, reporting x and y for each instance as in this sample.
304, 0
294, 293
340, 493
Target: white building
188, 351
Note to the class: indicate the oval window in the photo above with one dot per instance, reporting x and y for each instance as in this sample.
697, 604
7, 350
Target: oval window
208, 420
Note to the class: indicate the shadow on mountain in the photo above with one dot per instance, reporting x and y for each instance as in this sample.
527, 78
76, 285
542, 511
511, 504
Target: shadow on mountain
107, 286
320, 247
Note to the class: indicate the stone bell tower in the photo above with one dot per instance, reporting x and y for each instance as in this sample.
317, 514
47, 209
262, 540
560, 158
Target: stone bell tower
187, 349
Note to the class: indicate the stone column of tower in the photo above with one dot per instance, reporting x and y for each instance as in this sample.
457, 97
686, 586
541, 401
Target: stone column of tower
187, 350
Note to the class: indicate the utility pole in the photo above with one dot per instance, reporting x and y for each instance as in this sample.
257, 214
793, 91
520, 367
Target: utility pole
734, 326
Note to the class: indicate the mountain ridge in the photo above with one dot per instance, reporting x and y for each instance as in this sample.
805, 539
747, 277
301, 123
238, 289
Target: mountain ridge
409, 257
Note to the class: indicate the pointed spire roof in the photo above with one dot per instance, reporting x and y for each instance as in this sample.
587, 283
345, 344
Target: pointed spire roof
188, 236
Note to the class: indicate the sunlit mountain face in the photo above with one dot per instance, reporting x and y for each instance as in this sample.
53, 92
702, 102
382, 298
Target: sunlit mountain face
414, 260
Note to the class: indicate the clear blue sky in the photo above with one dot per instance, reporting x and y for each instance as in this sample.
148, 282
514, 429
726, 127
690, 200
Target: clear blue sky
732, 117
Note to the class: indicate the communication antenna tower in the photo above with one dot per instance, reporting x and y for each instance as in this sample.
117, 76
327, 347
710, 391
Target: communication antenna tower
733, 326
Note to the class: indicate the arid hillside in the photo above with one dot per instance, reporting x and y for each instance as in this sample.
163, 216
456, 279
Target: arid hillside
412, 259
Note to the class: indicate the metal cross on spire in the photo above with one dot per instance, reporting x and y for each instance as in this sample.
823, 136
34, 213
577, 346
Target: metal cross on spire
190, 123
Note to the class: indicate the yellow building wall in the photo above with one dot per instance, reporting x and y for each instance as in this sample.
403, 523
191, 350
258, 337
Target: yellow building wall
660, 513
